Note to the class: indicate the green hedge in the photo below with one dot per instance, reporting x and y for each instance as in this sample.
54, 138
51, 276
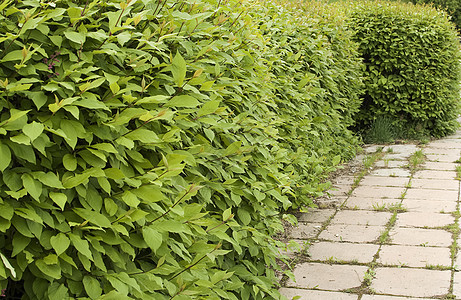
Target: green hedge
452, 7
148, 149
412, 63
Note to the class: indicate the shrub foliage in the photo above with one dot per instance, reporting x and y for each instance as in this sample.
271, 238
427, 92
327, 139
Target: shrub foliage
412, 66
148, 149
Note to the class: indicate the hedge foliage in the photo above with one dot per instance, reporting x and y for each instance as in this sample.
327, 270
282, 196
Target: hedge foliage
148, 149
412, 66
452, 7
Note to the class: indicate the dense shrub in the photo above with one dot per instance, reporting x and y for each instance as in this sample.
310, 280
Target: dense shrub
452, 7
148, 149
412, 63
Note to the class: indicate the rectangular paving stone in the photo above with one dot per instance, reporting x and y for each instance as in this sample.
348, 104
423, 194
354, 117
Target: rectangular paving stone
435, 174
442, 151
316, 215
347, 180
305, 231
378, 191
422, 219
339, 190
414, 256
369, 203
293, 247
442, 158
361, 217
397, 156
439, 166
345, 252
391, 163
327, 277
384, 297
436, 184
430, 194
429, 205
316, 295
384, 181
420, 237
351, 233
411, 282
445, 144
392, 172
457, 285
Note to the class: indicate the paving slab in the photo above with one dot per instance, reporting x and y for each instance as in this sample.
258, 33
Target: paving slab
445, 144
317, 295
384, 181
370, 203
339, 189
305, 231
349, 180
423, 219
361, 217
408, 149
411, 282
414, 256
343, 252
420, 237
439, 166
435, 174
384, 297
327, 277
431, 194
457, 285
293, 247
398, 156
442, 158
391, 163
393, 172
414, 205
316, 215
351, 233
437, 184
378, 191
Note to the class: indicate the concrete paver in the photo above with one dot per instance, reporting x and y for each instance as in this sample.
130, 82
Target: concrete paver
391, 163
316, 215
305, 231
423, 219
436, 184
439, 166
414, 256
327, 277
420, 237
344, 252
429, 194
357, 217
411, 282
392, 172
369, 203
378, 191
442, 158
317, 295
435, 174
457, 285
384, 297
429, 206
351, 233
384, 181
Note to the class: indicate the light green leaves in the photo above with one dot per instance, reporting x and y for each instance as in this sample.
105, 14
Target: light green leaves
92, 287
59, 198
178, 69
60, 243
33, 130
183, 101
75, 37
5, 156
152, 237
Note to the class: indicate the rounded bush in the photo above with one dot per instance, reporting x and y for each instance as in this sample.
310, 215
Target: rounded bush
412, 66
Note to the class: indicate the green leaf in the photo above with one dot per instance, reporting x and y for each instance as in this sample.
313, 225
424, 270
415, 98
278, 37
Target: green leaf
50, 179
7, 265
130, 199
143, 135
82, 246
183, 101
208, 108
53, 271
33, 130
32, 186
59, 198
60, 243
93, 216
69, 162
5, 156
178, 69
92, 287
233, 148
75, 37
20, 242
152, 237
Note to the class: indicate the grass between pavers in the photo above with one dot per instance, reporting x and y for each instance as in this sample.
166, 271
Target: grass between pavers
368, 163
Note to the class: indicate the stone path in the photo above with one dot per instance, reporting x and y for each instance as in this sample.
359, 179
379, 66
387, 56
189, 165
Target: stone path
393, 235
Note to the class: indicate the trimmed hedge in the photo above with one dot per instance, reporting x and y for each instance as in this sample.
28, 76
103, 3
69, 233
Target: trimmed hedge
148, 149
412, 60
